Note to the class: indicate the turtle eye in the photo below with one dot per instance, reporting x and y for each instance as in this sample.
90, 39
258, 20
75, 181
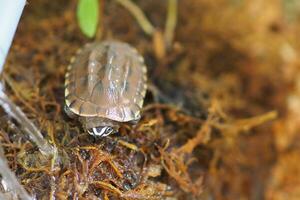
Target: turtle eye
108, 131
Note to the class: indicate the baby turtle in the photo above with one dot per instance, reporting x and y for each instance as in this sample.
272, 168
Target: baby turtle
105, 85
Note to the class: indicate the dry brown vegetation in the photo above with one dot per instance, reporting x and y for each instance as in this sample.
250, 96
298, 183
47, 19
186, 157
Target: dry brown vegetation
221, 123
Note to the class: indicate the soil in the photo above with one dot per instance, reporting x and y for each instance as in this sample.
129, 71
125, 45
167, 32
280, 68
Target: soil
220, 120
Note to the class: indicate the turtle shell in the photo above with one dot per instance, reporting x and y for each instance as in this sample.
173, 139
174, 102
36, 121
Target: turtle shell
107, 80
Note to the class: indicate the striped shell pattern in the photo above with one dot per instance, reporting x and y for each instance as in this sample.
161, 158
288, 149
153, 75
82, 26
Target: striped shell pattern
107, 80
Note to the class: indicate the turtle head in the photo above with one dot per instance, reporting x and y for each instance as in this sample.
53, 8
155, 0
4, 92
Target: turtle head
102, 131
100, 127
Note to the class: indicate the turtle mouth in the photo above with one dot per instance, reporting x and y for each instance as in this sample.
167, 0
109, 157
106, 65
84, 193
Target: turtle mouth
101, 131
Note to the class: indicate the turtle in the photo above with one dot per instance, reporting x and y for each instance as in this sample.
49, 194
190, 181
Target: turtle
105, 85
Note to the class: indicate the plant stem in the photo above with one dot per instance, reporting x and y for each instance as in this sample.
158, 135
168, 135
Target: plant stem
171, 21
139, 16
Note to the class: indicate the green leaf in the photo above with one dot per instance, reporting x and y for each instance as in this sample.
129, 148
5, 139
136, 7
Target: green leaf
87, 15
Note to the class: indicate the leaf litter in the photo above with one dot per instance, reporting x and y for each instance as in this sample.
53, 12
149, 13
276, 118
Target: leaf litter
205, 132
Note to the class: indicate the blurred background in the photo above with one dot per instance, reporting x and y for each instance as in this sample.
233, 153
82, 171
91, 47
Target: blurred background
221, 118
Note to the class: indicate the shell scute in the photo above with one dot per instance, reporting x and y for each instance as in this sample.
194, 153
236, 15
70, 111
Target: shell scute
106, 80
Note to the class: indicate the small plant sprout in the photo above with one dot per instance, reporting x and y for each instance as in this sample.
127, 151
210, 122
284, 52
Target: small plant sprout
88, 16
